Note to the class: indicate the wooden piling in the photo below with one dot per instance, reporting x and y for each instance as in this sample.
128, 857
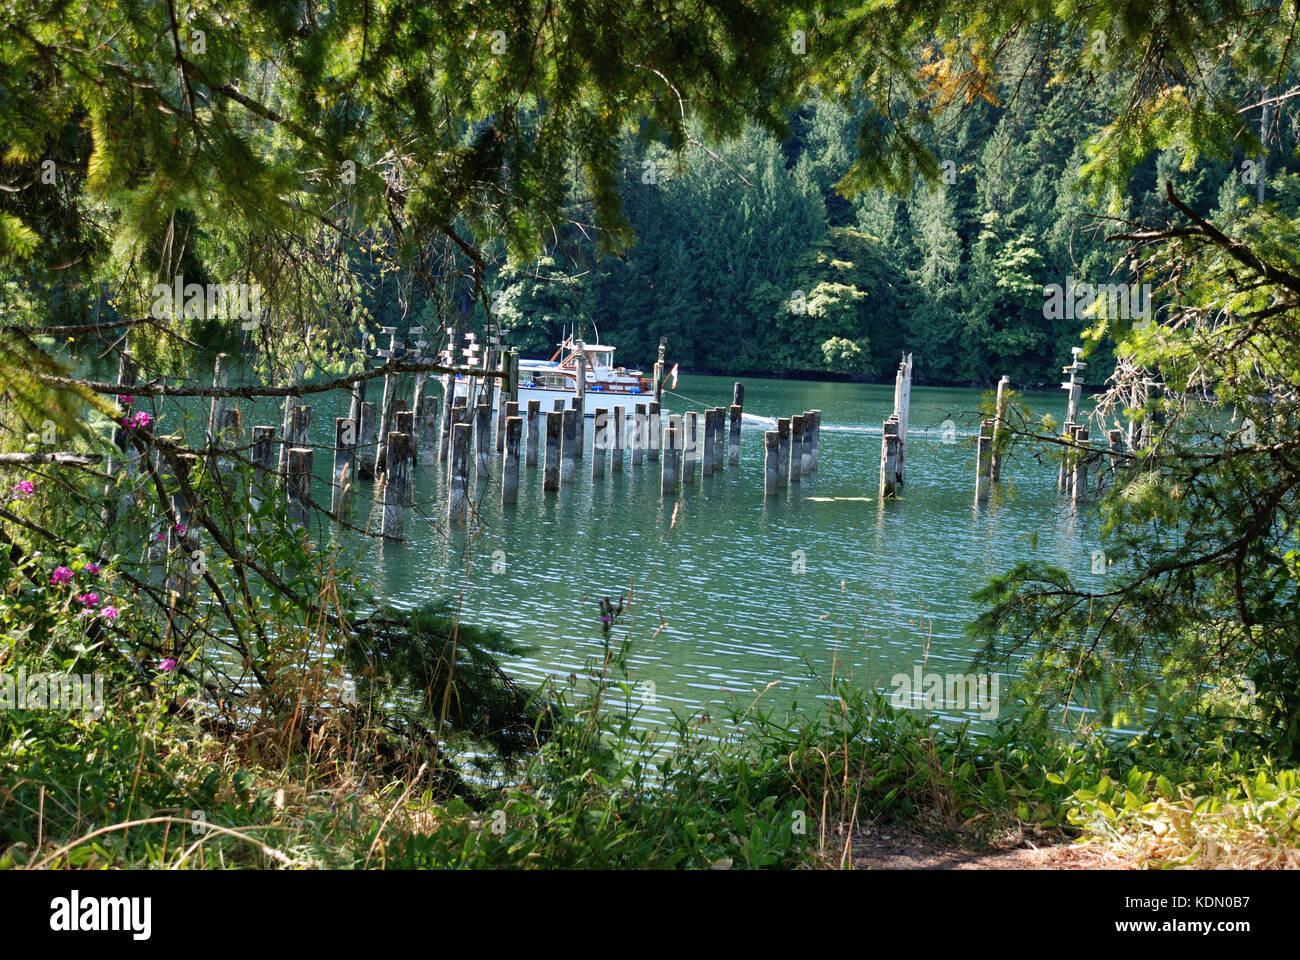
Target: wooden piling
397, 478
710, 432
263, 462
367, 445
483, 441
298, 484
719, 439
299, 434
1115, 439
579, 427
638, 434
1080, 461
655, 430
386, 408
404, 422
733, 453
999, 425
616, 452
510, 462
670, 472
220, 378
817, 439
796, 448
805, 460
345, 458
568, 444
783, 432
889, 446
690, 445
771, 462
458, 471
599, 441
551, 465
530, 441
983, 455
428, 415
902, 408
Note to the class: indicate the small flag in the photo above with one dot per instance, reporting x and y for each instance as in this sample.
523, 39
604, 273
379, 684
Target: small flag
673, 374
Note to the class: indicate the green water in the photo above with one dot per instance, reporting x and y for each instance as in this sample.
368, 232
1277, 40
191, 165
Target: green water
743, 592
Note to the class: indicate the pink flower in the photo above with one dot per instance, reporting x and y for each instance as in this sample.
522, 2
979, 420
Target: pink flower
92, 568
125, 399
108, 613
23, 489
167, 666
89, 599
180, 529
140, 419
60, 575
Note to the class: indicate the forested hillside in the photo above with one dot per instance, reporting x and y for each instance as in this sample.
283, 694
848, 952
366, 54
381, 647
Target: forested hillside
748, 259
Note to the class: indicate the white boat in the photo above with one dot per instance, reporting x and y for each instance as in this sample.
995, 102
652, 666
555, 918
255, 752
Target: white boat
548, 381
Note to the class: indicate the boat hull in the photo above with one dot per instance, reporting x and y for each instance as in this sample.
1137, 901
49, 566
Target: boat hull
547, 396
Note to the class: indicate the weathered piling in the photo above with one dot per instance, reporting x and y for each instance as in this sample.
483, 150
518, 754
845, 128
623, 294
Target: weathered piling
345, 462
551, 465
999, 425
263, 457
386, 408
719, 439
448, 357
1080, 461
889, 446
659, 374
559, 405
568, 444
404, 422
298, 484
228, 436
600, 439
1071, 411
805, 460
1115, 440
510, 462
902, 408
428, 416
771, 462
690, 445
290, 403
670, 469
418, 393
783, 433
733, 452
397, 478
616, 452
817, 437
299, 434
483, 441
220, 378
530, 441
983, 455
655, 430
579, 427
458, 472
638, 434
706, 460
367, 446
796, 448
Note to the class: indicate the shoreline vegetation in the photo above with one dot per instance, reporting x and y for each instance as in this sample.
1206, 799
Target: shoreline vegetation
334, 777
